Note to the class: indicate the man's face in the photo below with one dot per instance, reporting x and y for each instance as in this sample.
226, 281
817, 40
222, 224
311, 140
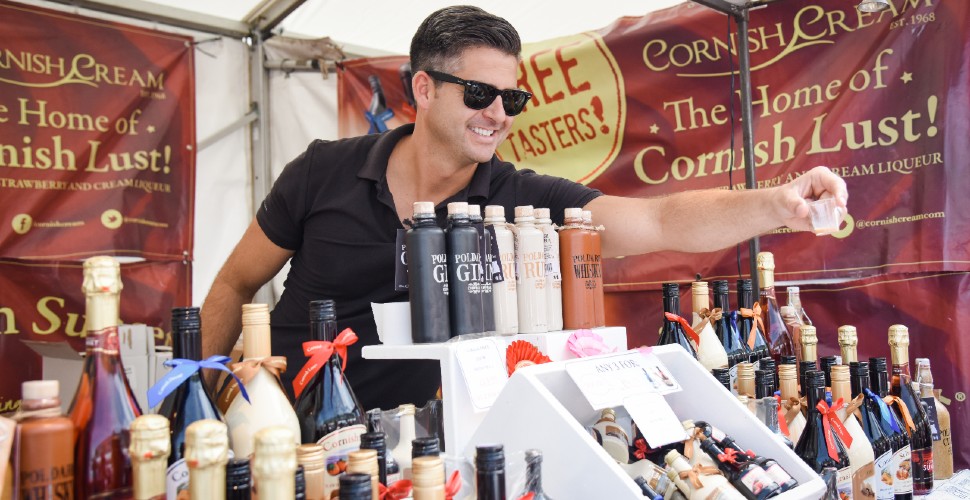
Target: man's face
473, 135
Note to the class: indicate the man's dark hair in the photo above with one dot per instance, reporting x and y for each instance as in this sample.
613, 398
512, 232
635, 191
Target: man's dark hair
446, 33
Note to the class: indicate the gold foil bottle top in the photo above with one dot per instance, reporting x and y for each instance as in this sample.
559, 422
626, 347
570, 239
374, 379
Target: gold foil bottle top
206, 443
311, 457
274, 453
524, 211
899, 336
150, 438
457, 207
766, 269
848, 335
809, 337
102, 275
428, 472
423, 207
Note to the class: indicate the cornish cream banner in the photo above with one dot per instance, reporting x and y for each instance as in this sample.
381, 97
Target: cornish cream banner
97, 138
644, 108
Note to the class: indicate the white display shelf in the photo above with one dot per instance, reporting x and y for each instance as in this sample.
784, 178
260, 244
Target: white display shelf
461, 418
542, 407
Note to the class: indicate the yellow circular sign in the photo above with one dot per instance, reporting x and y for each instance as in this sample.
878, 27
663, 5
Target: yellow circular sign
573, 126
111, 219
21, 223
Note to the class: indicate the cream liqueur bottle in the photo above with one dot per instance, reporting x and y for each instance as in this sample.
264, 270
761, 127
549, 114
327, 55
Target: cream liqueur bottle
531, 284
504, 295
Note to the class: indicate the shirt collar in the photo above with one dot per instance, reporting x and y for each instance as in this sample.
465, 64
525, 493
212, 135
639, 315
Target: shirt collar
375, 166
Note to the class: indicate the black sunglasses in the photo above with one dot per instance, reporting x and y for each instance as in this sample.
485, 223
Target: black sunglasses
480, 95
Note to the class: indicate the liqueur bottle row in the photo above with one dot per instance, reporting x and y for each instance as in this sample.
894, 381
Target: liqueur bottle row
484, 275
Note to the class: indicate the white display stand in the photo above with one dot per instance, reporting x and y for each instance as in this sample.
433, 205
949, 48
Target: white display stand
541, 407
461, 419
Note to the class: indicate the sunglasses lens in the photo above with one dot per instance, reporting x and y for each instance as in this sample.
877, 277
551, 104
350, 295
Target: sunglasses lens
478, 95
514, 101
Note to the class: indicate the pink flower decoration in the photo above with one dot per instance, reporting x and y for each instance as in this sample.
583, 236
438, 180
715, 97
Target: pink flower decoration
585, 343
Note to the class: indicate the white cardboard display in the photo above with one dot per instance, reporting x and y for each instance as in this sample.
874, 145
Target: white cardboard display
460, 416
541, 407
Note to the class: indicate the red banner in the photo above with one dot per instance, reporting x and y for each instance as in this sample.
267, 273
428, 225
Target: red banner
643, 108
49, 306
97, 138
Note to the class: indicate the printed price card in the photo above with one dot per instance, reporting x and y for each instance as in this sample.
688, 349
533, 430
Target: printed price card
608, 380
483, 367
655, 419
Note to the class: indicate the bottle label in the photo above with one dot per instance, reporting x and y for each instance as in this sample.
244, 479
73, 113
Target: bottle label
57, 481
902, 471
862, 481
400, 264
779, 475
336, 446
929, 405
882, 481
722, 492
923, 465
843, 482
551, 256
177, 480
756, 480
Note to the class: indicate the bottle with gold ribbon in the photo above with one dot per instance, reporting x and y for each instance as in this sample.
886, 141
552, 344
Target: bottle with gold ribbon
699, 482
710, 352
920, 435
326, 406
780, 342
675, 329
861, 453
259, 372
750, 326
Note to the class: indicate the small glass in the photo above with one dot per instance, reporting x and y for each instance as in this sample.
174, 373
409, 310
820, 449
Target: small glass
827, 217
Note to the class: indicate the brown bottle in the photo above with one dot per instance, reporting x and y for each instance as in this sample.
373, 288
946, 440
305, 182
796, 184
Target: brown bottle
44, 459
942, 448
578, 282
596, 245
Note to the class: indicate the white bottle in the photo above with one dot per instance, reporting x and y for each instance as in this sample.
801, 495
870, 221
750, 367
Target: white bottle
611, 435
788, 383
861, 454
531, 277
402, 450
713, 486
268, 406
504, 295
697, 455
710, 352
550, 244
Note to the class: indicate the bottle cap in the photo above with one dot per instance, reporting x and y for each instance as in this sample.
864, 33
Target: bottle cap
186, 318
102, 274
424, 446
311, 456
149, 438
808, 335
743, 399
898, 335
699, 288
474, 211
573, 213
524, 211
206, 443
427, 472
588, 216
457, 208
720, 286
744, 285
608, 413
490, 457
323, 310
494, 211
40, 389
848, 335
363, 461
423, 208
255, 314
541, 213
670, 290
671, 457
533, 456
372, 441
237, 474
274, 452
406, 409
787, 372
839, 373
766, 261
787, 360
355, 483
816, 378
792, 290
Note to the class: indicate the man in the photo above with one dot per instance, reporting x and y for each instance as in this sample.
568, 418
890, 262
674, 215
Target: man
335, 209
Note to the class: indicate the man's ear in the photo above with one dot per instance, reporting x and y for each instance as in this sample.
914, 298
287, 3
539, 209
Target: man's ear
424, 89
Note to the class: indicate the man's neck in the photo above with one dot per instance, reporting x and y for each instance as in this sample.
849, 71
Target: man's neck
420, 171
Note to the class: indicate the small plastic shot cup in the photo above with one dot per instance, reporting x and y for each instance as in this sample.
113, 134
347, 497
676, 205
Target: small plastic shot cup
826, 216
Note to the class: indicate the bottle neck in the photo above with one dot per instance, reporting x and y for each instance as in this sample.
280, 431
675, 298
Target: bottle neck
187, 344
744, 299
900, 358
795, 300
813, 396
424, 221
766, 280
880, 384
256, 341
859, 382
101, 310
323, 330
533, 477
699, 302
771, 416
721, 301
208, 481
789, 388
841, 389
149, 478
809, 352
850, 353
672, 304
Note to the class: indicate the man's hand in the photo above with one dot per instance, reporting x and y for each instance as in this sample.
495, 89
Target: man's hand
791, 200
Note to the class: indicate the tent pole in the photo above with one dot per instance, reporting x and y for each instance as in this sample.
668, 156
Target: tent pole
747, 131
262, 174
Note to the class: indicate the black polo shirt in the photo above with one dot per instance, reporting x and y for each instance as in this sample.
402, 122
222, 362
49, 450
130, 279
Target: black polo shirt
332, 206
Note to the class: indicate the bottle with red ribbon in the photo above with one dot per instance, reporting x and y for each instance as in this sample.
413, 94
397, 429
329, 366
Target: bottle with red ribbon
825, 440
749, 478
326, 406
676, 330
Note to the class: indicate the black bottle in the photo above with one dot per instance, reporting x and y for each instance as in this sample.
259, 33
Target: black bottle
646, 489
238, 479
745, 475
299, 480
762, 385
723, 375
192, 400
672, 331
484, 244
355, 486
825, 365
870, 414
490, 472
771, 374
813, 444
377, 441
726, 327
392, 472
747, 326
533, 475
427, 261
327, 402
424, 447
464, 268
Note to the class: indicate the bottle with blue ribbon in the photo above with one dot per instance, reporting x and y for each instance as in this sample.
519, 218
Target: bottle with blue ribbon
326, 406
183, 394
726, 328
901, 464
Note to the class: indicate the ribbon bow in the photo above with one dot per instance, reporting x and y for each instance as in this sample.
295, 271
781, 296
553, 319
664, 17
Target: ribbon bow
319, 351
904, 411
397, 491
694, 474
182, 369
733, 316
884, 412
831, 423
708, 316
527, 496
453, 485
753, 313
245, 370
687, 329
782, 423
641, 451
853, 407
730, 455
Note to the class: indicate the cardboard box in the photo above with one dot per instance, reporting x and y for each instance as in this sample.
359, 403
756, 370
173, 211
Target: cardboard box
62, 363
136, 344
